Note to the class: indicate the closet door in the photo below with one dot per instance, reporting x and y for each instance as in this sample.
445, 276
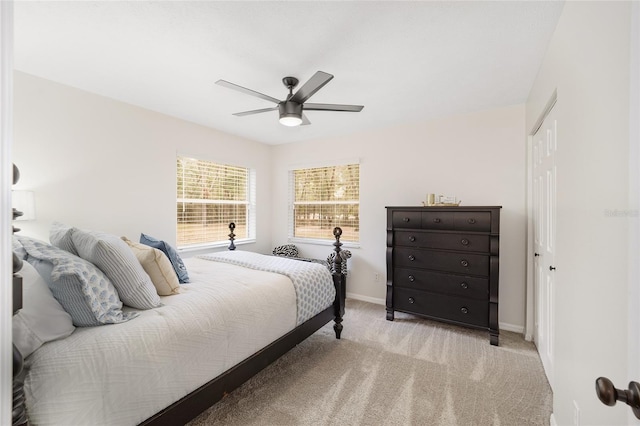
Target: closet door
544, 214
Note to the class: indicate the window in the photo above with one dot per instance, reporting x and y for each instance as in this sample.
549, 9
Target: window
209, 196
323, 198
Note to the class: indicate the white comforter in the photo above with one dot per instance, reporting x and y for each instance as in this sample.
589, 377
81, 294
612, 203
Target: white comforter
121, 374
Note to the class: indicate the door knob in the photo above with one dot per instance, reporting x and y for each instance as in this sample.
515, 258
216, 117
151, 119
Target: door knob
608, 394
552, 268
536, 254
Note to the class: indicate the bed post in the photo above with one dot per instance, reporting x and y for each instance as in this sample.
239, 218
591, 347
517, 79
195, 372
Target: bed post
19, 412
232, 236
340, 282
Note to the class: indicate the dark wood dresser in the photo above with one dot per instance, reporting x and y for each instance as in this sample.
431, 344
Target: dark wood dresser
443, 262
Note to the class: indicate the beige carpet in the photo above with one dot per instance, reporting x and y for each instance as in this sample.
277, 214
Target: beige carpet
407, 372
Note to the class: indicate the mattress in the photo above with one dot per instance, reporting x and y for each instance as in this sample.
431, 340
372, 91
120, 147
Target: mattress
121, 374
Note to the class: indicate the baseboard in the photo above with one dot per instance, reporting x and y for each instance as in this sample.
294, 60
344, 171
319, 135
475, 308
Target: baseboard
511, 327
503, 326
366, 298
552, 421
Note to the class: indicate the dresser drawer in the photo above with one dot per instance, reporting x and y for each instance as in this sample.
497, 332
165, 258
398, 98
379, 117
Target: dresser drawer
472, 221
465, 242
437, 220
462, 263
417, 279
459, 309
406, 219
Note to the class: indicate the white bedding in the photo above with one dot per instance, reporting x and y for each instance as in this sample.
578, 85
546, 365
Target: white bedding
121, 374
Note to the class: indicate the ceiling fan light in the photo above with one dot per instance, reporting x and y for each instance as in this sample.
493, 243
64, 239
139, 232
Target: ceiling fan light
290, 120
290, 113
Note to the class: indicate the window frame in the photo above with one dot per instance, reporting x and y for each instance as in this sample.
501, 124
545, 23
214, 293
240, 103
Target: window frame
250, 204
291, 204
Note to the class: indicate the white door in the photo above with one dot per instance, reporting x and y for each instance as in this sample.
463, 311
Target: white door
544, 227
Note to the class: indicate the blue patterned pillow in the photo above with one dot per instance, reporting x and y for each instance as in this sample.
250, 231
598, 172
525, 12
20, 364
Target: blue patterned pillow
172, 254
81, 288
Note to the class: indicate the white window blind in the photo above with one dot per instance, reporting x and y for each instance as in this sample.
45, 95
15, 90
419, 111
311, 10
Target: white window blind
323, 198
209, 196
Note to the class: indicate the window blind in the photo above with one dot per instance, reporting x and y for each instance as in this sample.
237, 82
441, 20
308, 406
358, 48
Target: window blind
323, 198
209, 196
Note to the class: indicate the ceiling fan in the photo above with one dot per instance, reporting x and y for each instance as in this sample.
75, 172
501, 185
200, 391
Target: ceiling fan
291, 110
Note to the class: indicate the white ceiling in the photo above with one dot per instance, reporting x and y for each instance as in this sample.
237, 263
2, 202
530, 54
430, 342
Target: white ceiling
404, 61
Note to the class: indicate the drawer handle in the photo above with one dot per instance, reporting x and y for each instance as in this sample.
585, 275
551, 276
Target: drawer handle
405, 219
464, 263
436, 220
412, 239
464, 242
412, 278
412, 257
464, 310
471, 221
464, 285
412, 300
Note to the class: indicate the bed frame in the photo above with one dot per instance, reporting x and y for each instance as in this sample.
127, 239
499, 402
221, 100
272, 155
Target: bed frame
189, 407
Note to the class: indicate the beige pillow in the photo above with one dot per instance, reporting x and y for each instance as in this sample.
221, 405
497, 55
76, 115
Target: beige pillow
158, 266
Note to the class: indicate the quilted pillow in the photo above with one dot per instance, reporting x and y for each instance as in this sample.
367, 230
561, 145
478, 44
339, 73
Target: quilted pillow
287, 250
114, 257
60, 236
158, 266
81, 288
41, 319
172, 254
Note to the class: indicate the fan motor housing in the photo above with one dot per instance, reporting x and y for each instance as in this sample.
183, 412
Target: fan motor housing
290, 109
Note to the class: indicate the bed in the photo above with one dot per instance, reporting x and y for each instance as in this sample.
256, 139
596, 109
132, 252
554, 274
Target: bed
165, 365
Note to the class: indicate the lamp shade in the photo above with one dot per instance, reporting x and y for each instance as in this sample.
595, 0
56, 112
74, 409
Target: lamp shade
24, 201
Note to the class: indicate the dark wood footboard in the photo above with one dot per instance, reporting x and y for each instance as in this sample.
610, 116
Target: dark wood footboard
204, 397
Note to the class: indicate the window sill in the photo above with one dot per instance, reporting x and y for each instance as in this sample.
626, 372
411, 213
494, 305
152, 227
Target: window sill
225, 244
345, 244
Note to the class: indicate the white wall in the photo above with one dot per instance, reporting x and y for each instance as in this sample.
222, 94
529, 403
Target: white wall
588, 63
100, 164
479, 157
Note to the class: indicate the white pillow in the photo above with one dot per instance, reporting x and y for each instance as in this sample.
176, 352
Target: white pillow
114, 257
158, 266
41, 318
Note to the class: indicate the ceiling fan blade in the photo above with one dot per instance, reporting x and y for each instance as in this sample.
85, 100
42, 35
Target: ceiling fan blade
305, 120
314, 84
255, 111
229, 85
332, 107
